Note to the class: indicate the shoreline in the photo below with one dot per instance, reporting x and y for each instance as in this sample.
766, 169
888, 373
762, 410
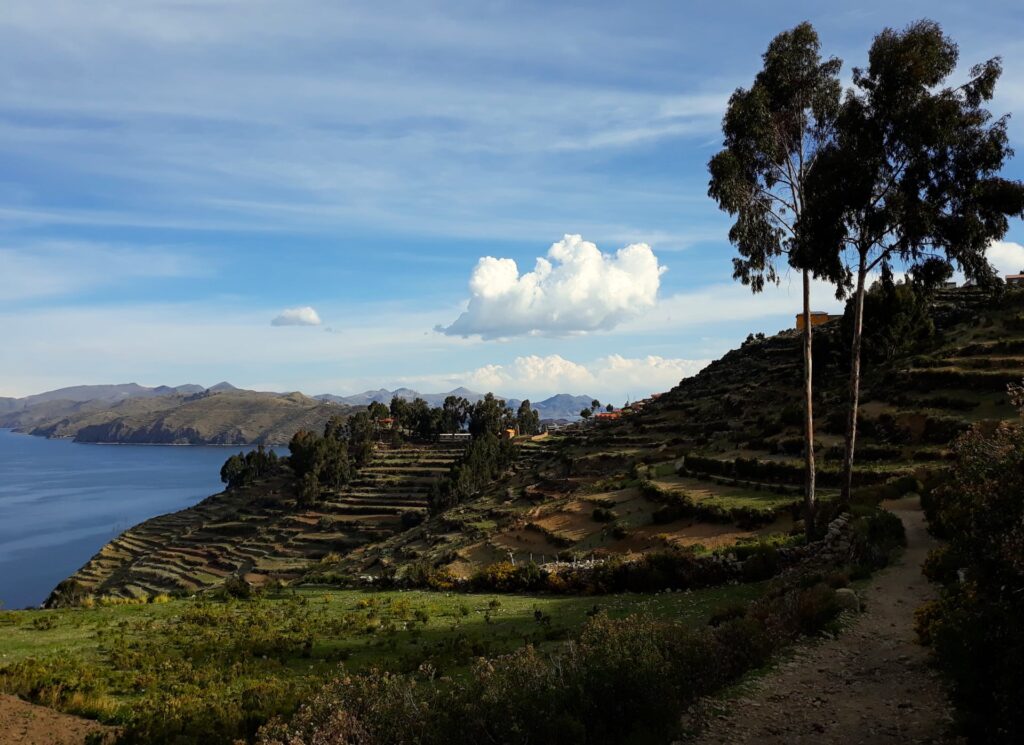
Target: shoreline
149, 444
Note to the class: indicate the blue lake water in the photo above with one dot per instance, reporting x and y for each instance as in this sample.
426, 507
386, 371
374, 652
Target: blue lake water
60, 501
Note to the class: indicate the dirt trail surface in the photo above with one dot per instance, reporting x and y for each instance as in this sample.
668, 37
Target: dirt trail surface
869, 685
22, 723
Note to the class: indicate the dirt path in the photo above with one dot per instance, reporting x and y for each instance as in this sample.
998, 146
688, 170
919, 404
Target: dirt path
869, 685
22, 723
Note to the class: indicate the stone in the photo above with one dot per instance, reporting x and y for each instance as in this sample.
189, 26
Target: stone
848, 600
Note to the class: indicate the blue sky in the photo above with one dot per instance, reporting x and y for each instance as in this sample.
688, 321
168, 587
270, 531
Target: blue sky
176, 175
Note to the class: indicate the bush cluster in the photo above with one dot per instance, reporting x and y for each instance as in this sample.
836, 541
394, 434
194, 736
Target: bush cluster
677, 505
624, 680
975, 627
774, 472
244, 468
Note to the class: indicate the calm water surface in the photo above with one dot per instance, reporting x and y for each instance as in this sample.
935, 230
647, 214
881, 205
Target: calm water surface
60, 501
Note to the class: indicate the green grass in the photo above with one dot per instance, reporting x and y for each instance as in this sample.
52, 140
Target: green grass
136, 663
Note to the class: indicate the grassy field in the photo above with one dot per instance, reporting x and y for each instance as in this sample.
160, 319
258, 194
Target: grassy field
240, 662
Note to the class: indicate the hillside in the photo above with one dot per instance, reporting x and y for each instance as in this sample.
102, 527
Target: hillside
615, 488
226, 417
260, 532
728, 441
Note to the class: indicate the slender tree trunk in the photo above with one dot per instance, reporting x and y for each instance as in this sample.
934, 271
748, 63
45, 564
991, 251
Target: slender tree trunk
809, 497
851, 421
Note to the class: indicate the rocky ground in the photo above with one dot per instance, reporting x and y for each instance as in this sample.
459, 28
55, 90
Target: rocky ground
871, 684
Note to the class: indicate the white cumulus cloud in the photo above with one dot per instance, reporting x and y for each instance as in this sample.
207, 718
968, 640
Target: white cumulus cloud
304, 316
576, 289
1007, 257
614, 377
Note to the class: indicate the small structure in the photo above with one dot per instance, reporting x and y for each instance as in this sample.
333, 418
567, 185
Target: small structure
604, 416
818, 317
386, 423
1015, 280
950, 285
508, 434
454, 437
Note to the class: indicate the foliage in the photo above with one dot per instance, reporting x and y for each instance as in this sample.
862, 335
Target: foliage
195, 672
486, 457
911, 177
913, 171
896, 320
974, 628
626, 680
527, 419
329, 461
244, 468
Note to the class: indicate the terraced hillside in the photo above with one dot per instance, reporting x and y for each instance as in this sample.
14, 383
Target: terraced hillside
717, 460
712, 463
258, 532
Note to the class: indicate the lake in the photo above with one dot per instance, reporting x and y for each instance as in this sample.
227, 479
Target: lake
60, 501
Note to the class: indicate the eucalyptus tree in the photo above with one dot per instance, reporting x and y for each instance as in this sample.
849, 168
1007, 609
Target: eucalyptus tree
774, 132
911, 176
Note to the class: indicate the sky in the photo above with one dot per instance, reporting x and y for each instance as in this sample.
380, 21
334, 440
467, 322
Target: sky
334, 196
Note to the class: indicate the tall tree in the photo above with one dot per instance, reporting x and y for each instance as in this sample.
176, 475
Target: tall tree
454, 413
912, 175
774, 132
527, 419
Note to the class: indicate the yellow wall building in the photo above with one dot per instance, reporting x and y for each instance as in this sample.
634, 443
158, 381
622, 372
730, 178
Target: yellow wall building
818, 317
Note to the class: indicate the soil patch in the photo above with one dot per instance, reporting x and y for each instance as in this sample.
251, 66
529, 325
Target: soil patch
22, 723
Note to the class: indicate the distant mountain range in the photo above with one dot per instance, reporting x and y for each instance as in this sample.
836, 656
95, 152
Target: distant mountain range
560, 406
220, 414
173, 415
106, 393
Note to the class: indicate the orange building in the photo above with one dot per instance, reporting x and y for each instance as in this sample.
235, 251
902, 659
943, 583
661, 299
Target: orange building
818, 317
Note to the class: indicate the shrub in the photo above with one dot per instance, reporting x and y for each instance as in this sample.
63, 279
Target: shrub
504, 576
762, 563
236, 587
621, 680
603, 515
411, 518
974, 628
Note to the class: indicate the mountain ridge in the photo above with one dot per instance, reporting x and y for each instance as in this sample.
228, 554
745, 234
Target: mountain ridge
221, 414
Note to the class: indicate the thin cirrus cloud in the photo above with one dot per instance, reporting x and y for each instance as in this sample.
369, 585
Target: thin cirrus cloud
304, 316
575, 289
52, 269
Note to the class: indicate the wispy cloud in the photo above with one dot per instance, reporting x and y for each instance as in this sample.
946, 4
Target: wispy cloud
53, 269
